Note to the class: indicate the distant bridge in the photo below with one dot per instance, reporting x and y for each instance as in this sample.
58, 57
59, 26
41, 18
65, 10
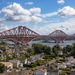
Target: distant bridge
24, 35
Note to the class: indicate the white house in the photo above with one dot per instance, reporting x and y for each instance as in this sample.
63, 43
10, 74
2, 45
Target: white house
8, 65
34, 58
62, 65
16, 63
53, 69
52, 66
24, 61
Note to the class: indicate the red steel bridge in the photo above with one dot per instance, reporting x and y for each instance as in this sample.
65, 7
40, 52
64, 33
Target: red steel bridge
24, 35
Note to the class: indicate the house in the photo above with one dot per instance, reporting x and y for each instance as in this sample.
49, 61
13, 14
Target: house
62, 65
18, 53
8, 65
53, 68
60, 52
72, 72
34, 58
23, 60
70, 59
39, 73
16, 63
3, 57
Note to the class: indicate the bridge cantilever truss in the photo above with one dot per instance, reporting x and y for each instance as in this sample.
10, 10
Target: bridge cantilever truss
58, 36
19, 34
24, 35
73, 36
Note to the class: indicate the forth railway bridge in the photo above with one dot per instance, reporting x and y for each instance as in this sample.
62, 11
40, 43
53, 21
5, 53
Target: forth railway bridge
23, 35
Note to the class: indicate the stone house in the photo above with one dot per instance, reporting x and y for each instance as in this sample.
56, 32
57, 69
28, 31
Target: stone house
3, 57
16, 63
62, 65
23, 60
72, 72
18, 53
70, 61
8, 65
34, 58
53, 68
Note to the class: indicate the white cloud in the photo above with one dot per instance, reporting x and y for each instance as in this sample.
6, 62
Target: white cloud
35, 11
60, 1
15, 9
49, 14
66, 11
3, 27
35, 18
67, 26
15, 12
29, 3
2, 19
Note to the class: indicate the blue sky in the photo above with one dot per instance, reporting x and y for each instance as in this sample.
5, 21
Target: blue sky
42, 16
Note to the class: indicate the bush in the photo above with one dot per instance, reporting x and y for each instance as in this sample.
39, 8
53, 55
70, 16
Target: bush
2, 68
60, 61
48, 57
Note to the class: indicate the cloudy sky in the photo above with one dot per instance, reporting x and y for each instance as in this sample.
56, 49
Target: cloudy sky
42, 16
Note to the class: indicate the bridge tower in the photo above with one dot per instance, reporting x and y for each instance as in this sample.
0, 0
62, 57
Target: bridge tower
58, 36
20, 34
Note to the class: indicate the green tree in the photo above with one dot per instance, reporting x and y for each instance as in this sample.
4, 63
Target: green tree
2, 68
56, 49
46, 49
30, 51
37, 48
64, 50
67, 50
73, 50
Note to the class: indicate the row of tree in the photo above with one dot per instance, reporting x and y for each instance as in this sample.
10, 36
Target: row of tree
68, 50
39, 48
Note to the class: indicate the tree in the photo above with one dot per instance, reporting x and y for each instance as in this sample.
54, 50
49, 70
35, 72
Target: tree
4, 43
67, 49
46, 49
30, 51
2, 68
64, 50
56, 49
73, 50
37, 48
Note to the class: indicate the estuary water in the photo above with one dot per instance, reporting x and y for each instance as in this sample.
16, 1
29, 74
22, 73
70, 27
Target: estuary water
52, 43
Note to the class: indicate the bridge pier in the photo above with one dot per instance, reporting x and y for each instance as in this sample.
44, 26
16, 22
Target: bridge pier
59, 41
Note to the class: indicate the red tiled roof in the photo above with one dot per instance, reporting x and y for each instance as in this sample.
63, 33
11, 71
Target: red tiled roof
6, 63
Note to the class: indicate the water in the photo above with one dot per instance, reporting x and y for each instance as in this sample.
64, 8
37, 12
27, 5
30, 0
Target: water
51, 44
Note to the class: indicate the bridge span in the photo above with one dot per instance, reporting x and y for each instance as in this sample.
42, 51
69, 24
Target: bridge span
24, 35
